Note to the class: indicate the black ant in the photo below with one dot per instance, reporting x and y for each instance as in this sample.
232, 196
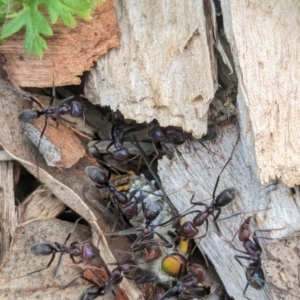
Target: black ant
254, 272
128, 208
74, 108
188, 285
100, 286
145, 239
189, 230
87, 251
167, 137
121, 153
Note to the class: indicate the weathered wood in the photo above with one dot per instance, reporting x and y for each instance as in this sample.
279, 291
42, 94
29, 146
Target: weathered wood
283, 267
264, 39
8, 218
70, 51
41, 204
198, 168
165, 67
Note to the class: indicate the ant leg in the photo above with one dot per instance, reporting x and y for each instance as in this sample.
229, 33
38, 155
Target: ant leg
229, 159
155, 157
65, 100
109, 146
164, 239
255, 237
216, 218
58, 264
48, 265
38, 147
72, 257
53, 93
245, 289
65, 120
72, 230
241, 257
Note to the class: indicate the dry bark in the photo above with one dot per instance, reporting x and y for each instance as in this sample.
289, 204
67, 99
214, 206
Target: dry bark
263, 39
164, 69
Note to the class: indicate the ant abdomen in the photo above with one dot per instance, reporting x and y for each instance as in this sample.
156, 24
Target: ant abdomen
28, 115
225, 197
95, 174
174, 264
255, 276
41, 249
76, 110
121, 155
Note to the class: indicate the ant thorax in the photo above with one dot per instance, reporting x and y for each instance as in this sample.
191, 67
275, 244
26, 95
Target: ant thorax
139, 188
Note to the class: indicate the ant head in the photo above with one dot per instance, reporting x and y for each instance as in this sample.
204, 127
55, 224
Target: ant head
198, 270
96, 175
157, 134
152, 210
174, 264
151, 253
29, 115
77, 109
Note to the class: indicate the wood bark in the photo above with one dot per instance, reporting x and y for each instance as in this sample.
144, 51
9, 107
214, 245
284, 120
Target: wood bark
164, 69
264, 40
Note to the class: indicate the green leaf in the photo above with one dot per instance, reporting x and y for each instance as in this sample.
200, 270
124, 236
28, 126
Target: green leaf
16, 14
65, 9
35, 23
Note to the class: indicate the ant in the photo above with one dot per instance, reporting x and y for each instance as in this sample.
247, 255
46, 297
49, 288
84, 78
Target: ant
188, 229
170, 133
145, 240
254, 272
128, 208
166, 136
121, 153
87, 251
188, 284
101, 287
75, 109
